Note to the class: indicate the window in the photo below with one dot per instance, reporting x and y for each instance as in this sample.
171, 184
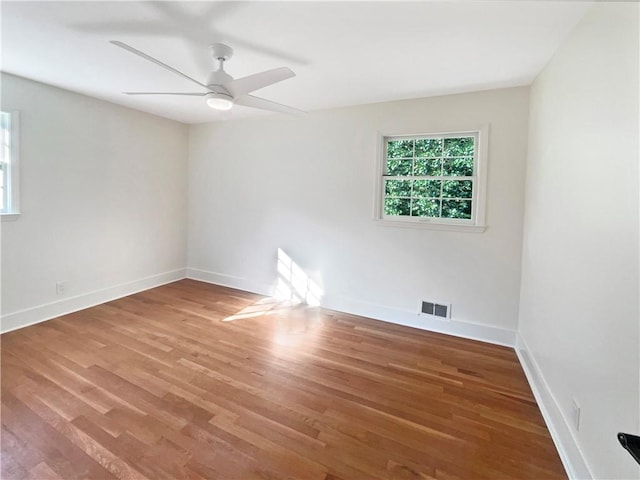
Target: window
434, 179
9, 164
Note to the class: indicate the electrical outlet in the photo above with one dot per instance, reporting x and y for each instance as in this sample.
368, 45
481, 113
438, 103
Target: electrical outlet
575, 414
61, 288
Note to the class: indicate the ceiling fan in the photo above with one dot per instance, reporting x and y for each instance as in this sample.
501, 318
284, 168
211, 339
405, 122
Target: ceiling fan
221, 90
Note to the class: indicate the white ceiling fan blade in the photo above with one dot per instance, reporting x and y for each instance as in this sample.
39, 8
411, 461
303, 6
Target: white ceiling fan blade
241, 86
257, 102
157, 62
165, 93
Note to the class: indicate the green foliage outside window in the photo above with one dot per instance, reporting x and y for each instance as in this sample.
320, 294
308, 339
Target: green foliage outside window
429, 177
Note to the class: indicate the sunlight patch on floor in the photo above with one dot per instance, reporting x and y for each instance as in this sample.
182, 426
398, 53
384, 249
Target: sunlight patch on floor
264, 306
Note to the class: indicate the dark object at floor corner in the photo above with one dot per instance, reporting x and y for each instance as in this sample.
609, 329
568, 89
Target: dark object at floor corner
631, 444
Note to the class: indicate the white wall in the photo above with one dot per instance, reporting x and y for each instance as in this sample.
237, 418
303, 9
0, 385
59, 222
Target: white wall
579, 315
103, 201
306, 185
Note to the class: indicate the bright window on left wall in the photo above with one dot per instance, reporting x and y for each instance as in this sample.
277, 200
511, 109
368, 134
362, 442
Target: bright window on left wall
9, 153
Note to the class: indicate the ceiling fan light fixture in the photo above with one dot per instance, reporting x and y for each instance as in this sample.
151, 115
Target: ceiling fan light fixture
219, 101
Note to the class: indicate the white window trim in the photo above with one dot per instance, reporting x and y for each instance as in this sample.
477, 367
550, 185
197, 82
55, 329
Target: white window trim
13, 185
477, 224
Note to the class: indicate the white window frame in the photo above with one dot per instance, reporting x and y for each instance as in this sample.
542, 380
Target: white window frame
478, 201
11, 210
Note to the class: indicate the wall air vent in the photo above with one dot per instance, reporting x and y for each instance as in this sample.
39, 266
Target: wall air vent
439, 310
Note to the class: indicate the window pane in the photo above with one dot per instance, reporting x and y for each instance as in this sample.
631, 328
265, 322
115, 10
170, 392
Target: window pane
5, 120
5, 153
457, 189
458, 167
456, 209
397, 206
2, 206
399, 167
429, 147
430, 167
397, 188
433, 176
426, 188
425, 207
400, 148
458, 147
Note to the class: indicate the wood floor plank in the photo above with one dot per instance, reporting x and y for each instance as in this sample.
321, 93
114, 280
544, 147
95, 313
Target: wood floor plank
195, 381
61, 455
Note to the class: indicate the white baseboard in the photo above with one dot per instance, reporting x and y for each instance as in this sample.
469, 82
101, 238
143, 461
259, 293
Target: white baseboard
558, 425
352, 306
473, 331
231, 281
30, 316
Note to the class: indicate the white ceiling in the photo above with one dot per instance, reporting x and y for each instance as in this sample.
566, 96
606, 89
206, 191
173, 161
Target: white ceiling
344, 53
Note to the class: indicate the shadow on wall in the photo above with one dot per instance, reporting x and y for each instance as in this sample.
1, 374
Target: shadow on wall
293, 287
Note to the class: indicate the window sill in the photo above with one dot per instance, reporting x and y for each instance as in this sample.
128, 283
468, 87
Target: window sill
10, 217
451, 227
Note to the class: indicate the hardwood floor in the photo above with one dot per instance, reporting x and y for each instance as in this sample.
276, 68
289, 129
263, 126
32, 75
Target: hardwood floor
192, 381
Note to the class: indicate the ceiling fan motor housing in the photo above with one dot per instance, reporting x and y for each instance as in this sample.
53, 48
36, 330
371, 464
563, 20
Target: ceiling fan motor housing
218, 78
